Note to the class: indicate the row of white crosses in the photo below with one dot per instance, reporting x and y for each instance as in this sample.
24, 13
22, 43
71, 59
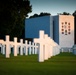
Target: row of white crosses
25, 48
47, 47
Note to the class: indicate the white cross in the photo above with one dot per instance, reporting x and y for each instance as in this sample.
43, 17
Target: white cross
21, 46
55, 47
1, 48
7, 47
7, 43
15, 46
30, 46
42, 43
47, 47
26, 48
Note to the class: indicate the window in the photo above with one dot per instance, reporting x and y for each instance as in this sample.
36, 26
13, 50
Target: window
65, 26
62, 29
62, 23
69, 32
62, 32
65, 30
68, 26
68, 29
62, 26
68, 23
65, 22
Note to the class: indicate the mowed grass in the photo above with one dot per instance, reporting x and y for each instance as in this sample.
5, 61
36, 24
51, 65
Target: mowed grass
62, 64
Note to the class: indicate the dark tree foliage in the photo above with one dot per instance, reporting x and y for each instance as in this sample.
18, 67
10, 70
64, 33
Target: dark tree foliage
64, 13
12, 15
44, 14
35, 15
41, 14
74, 14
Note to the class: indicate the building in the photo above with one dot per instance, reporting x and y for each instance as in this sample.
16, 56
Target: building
33, 25
60, 28
63, 30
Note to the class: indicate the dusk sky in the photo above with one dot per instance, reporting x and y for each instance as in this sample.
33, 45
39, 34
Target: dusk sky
52, 6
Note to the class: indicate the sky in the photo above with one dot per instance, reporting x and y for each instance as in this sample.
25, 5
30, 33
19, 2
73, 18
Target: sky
52, 6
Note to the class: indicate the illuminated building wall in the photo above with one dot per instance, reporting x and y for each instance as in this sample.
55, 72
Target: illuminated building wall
64, 28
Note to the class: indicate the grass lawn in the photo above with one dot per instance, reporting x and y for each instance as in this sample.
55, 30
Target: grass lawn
62, 64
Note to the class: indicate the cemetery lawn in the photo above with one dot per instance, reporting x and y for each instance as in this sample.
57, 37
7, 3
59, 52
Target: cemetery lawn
62, 64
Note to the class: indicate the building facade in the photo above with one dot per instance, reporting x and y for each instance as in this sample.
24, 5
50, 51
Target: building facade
64, 30
33, 25
60, 28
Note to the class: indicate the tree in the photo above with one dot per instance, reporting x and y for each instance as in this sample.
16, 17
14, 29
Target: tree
44, 14
41, 14
74, 14
12, 16
35, 15
64, 13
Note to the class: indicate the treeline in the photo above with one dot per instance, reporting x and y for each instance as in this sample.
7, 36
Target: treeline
45, 14
41, 14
